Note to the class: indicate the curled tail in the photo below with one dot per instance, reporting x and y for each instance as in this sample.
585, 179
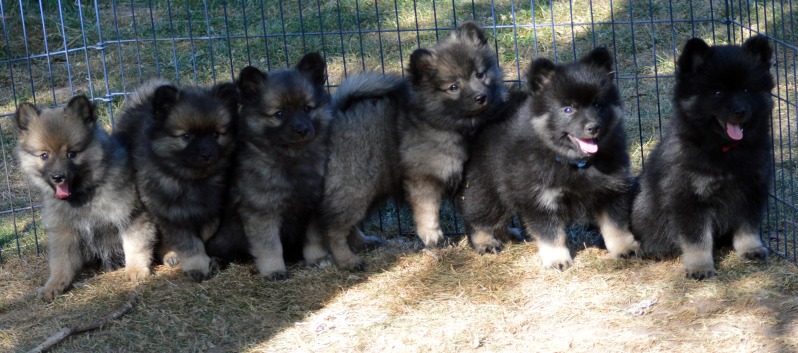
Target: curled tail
370, 85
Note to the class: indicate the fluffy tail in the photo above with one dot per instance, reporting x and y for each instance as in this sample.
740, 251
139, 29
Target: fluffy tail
144, 91
370, 85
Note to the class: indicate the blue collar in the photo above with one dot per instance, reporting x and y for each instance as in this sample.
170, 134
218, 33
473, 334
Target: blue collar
576, 162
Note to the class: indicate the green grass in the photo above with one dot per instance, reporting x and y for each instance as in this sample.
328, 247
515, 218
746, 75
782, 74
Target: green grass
251, 32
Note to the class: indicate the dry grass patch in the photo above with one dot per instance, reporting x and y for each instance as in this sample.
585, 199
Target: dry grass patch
449, 300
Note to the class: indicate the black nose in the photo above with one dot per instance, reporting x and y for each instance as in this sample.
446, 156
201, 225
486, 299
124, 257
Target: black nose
57, 178
301, 129
739, 112
481, 98
593, 129
206, 156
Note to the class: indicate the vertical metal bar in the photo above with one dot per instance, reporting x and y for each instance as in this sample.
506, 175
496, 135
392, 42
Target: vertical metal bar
47, 52
210, 40
66, 48
229, 43
174, 44
154, 39
85, 50
136, 34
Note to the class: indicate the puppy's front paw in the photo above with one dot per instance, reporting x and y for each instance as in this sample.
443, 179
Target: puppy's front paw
136, 274
555, 257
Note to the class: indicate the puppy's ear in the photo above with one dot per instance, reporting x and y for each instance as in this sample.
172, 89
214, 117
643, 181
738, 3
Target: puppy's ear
471, 33
539, 74
26, 113
693, 56
313, 65
250, 81
758, 47
228, 93
80, 108
421, 65
599, 57
163, 100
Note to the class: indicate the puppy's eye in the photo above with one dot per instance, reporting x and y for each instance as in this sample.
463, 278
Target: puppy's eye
454, 87
71, 154
44, 156
216, 134
718, 94
568, 110
597, 105
308, 108
480, 75
185, 137
279, 113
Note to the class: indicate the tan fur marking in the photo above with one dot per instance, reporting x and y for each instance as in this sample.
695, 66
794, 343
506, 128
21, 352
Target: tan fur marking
619, 241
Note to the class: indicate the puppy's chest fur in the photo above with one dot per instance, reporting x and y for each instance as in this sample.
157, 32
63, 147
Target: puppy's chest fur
433, 153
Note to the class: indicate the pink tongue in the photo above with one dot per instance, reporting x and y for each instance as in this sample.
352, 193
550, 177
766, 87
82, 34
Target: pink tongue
587, 146
734, 131
62, 191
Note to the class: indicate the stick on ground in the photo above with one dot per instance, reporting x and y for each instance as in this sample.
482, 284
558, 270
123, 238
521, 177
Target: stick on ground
62, 334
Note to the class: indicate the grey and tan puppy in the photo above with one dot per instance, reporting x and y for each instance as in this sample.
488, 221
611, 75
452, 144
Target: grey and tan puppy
279, 170
391, 137
91, 210
182, 140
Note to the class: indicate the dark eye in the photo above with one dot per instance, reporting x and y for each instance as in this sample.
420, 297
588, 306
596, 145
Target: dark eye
185, 137
308, 108
216, 134
568, 110
44, 156
597, 105
718, 94
71, 154
454, 87
480, 75
279, 113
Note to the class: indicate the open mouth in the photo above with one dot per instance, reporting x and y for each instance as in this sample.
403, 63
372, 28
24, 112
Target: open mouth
587, 146
733, 130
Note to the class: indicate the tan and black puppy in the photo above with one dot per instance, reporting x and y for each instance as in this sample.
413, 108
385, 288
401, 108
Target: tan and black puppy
182, 141
408, 138
91, 210
279, 169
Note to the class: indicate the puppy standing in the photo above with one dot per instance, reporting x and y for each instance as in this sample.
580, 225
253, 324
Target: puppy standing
707, 181
279, 169
559, 158
388, 136
91, 210
182, 141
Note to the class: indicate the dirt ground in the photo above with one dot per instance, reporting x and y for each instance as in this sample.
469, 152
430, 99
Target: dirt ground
447, 300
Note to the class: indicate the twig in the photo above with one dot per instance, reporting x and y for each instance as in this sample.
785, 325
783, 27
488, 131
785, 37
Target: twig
62, 334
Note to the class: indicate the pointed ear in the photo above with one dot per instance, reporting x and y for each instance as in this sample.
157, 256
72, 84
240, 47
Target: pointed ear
250, 81
81, 108
26, 113
539, 74
471, 33
163, 100
599, 57
421, 65
227, 93
693, 56
313, 65
758, 47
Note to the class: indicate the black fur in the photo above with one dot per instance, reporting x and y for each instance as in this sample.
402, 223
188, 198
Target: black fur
531, 165
700, 185
182, 142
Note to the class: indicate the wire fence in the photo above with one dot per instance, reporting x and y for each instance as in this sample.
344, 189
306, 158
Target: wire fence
53, 50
